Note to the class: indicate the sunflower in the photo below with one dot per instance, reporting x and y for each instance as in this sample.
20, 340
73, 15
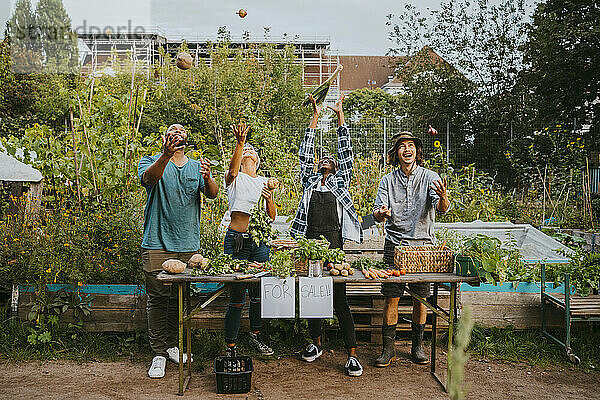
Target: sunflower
437, 143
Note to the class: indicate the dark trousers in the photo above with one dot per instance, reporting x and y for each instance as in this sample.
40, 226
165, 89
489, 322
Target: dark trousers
237, 291
342, 310
340, 301
162, 304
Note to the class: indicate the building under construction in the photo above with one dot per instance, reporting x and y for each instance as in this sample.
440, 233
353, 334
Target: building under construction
99, 51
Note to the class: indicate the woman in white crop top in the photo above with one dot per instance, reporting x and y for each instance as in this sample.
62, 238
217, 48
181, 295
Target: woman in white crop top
244, 188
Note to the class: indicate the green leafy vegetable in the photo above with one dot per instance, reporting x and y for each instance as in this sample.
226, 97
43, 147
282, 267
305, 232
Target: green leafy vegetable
259, 226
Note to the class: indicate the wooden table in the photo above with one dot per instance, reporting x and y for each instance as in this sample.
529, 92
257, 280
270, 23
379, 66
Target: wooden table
448, 280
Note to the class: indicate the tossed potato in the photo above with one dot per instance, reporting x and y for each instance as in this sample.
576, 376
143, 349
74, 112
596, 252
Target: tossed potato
334, 272
350, 271
345, 265
173, 266
344, 272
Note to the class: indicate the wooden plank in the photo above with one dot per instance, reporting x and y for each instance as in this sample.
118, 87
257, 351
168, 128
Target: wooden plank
357, 277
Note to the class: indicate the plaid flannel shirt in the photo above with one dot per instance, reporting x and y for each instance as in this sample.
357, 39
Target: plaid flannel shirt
337, 183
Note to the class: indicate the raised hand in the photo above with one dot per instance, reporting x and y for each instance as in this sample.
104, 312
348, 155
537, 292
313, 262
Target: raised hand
337, 107
266, 192
316, 108
205, 168
441, 188
240, 131
172, 143
383, 213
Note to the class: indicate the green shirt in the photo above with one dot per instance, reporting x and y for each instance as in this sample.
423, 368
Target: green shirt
172, 213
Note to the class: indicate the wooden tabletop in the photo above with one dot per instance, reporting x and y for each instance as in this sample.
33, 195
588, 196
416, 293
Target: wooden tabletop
432, 277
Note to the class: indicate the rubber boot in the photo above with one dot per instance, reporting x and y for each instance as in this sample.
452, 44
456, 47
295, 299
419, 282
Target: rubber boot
388, 355
416, 351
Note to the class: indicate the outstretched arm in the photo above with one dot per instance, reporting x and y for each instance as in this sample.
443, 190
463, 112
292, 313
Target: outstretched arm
270, 203
339, 110
440, 189
210, 189
171, 143
316, 111
240, 131
306, 153
344, 151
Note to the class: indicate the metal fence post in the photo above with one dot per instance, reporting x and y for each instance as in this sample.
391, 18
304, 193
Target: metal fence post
448, 141
384, 139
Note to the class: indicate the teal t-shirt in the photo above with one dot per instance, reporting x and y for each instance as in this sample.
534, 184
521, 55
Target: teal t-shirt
172, 213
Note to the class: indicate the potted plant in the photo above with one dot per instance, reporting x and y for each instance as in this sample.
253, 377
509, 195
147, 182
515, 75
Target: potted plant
486, 257
308, 250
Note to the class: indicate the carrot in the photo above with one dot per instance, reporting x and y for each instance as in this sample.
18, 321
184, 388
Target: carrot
366, 273
372, 273
377, 273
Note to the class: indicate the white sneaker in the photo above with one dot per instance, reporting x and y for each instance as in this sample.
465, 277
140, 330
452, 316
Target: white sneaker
173, 353
157, 369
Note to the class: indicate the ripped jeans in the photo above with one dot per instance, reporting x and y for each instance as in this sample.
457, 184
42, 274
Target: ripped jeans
246, 250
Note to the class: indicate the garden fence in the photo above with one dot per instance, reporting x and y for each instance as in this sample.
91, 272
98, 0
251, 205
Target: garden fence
374, 137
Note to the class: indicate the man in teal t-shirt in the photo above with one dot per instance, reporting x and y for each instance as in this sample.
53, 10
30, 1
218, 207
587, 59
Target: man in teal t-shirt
173, 183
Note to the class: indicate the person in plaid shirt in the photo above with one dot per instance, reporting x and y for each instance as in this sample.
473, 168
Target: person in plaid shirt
326, 210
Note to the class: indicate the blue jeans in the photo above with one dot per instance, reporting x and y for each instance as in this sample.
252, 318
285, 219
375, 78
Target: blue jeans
237, 291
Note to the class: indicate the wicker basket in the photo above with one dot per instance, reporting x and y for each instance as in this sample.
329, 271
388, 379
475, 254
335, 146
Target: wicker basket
301, 266
424, 259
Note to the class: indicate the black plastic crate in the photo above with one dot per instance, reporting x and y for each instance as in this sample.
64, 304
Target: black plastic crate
234, 374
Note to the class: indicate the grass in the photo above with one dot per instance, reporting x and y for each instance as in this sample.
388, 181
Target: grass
530, 347
72, 343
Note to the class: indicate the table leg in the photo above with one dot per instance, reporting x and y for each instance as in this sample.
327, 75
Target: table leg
451, 333
188, 324
180, 298
434, 329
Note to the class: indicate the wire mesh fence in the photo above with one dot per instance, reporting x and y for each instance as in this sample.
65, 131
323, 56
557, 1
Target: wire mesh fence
375, 137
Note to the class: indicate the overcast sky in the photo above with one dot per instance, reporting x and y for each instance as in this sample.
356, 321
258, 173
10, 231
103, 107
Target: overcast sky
352, 26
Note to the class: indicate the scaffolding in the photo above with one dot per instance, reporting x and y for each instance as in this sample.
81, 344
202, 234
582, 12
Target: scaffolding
143, 49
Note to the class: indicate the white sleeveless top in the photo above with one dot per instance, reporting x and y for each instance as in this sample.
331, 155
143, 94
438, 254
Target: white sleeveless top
243, 193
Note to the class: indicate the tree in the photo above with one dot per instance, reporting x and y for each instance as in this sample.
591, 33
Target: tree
22, 34
436, 91
59, 41
562, 57
21, 28
483, 42
366, 103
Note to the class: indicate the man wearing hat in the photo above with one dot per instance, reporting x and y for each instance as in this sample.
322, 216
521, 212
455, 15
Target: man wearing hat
326, 210
407, 199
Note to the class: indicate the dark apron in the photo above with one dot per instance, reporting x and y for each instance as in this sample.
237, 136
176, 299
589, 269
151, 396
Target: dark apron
323, 219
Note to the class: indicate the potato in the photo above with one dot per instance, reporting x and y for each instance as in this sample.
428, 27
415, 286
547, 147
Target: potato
344, 272
334, 272
273, 183
184, 60
339, 267
346, 265
350, 271
173, 266
204, 263
195, 261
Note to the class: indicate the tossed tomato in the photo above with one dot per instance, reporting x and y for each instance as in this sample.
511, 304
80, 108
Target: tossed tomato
402, 272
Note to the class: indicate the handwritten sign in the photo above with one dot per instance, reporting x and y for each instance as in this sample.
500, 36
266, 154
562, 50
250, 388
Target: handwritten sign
278, 297
316, 297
